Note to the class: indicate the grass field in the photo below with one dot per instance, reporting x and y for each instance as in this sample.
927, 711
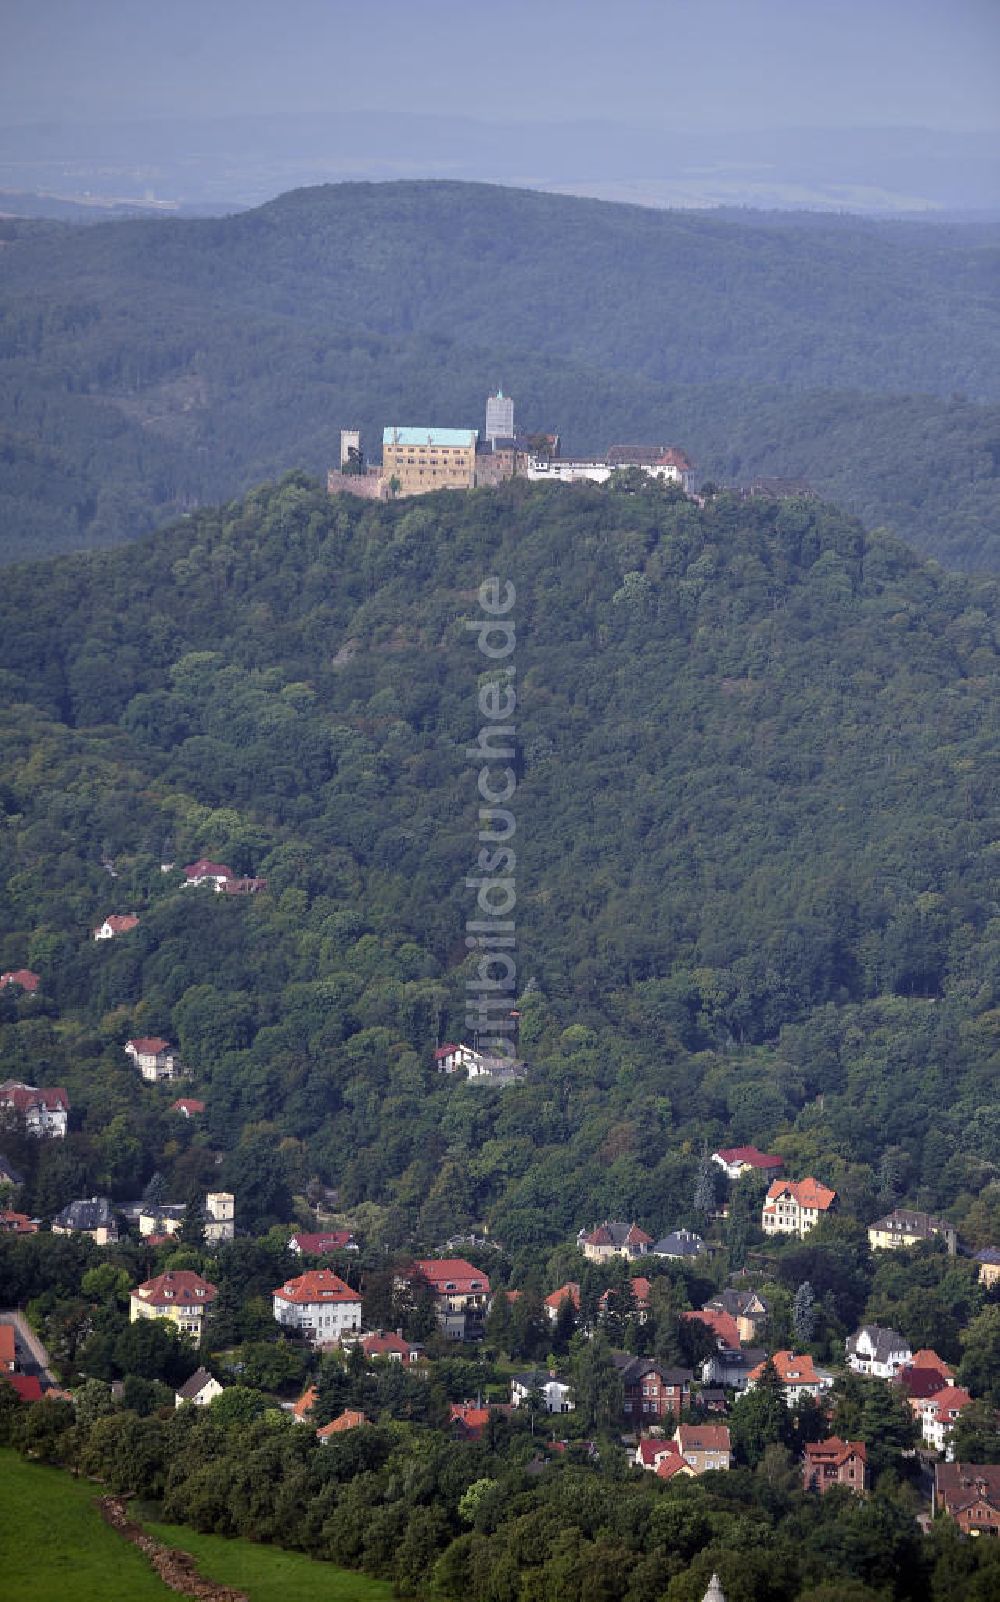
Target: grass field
54, 1546
268, 1574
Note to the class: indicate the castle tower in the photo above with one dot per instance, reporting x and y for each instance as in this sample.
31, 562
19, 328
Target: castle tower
499, 417
350, 448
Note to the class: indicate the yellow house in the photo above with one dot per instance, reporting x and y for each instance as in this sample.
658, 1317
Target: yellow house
179, 1295
904, 1227
989, 1266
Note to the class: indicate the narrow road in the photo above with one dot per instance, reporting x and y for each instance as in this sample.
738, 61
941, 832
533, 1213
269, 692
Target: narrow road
33, 1357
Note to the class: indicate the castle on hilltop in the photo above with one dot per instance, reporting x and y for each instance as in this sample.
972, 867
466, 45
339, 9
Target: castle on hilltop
417, 461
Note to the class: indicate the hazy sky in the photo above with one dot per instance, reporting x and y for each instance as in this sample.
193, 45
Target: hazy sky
697, 63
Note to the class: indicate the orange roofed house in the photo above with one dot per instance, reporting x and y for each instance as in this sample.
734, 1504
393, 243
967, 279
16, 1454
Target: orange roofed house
795, 1206
461, 1294
797, 1375
21, 979
349, 1419
320, 1305
570, 1292
117, 924
835, 1462
179, 1295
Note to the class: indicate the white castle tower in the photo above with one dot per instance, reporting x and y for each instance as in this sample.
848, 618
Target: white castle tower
499, 417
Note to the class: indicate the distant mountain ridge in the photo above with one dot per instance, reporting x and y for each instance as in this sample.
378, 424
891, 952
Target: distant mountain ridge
148, 366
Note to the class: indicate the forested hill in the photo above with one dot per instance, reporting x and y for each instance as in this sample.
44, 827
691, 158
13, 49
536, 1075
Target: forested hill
147, 366
756, 825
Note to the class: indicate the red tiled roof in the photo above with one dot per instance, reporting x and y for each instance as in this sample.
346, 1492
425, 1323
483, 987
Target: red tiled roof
319, 1285
381, 1345
472, 1419
204, 869
120, 922
673, 1464
793, 1368
640, 1290
349, 1419
919, 1383
8, 1351
949, 1401
187, 1104
148, 1045
650, 1448
750, 1155
703, 1438
177, 1285
23, 1097
570, 1292
927, 1358
444, 1051
20, 976
807, 1192
17, 1224
27, 1386
835, 1451
452, 1274
331, 1240
305, 1403
721, 1324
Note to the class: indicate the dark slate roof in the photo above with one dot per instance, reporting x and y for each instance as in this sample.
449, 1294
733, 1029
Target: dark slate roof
9, 1173
884, 1342
189, 1390
537, 1378
681, 1243
96, 1212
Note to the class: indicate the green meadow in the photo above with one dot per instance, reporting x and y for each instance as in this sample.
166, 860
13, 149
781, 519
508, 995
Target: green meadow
55, 1546
267, 1573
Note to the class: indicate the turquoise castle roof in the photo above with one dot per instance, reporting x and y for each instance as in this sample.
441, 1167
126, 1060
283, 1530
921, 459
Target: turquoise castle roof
429, 436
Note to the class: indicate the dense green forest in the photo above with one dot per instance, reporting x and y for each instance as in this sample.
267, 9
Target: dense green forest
756, 856
147, 367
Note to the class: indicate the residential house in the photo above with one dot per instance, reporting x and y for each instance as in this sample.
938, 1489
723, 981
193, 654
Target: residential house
94, 1217
44, 1109
303, 1407
970, 1494
349, 1419
651, 1450
613, 1239
246, 886
199, 1390
570, 1292
468, 1420
320, 1305
989, 1266
797, 1375
8, 1349
20, 979
920, 1383
705, 1446
158, 1220
461, 1294
835, 1462
179, 1295
117, 924
320, 1243
722, 1325
683, 1245
794, 1207
392, 1347
640, 1288
220, 1216
735, 1161
877, 1351
27, 1386
553, 1392
732, 1367
206, 872
747, 1307
927, 1357
673, 1464
904, 1227
155, 1058
187, 1106
652, 1391
450, 1059
17, 1223
938, 1415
